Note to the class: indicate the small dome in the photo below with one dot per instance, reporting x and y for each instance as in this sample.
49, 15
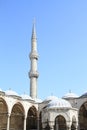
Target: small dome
25, 96
2, 92
70, 95
11, 92
38, 100
59, 103
50, 98
0, 89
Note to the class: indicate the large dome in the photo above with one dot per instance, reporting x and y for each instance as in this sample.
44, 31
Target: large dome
59, 103
70, 95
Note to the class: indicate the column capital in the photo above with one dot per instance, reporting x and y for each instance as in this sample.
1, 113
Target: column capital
68, 124
25, 117
43, 126
8, 114
51, 124
77, 126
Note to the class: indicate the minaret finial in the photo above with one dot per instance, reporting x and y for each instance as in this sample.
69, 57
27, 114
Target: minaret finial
33, 29
33, 74
34, 21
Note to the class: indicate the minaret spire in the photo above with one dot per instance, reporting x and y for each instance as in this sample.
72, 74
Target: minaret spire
33, 30
33, 74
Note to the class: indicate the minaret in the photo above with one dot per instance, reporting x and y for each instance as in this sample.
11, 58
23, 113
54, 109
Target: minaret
33, 74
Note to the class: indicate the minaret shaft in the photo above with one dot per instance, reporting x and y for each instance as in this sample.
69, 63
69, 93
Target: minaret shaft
33, 65
33, 45
33, 74
33, 88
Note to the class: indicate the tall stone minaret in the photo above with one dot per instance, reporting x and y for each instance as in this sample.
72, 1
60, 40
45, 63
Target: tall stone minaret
33, 74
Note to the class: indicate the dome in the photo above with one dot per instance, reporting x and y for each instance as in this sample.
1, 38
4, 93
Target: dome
38, 100
25, 96
11, 92
84, 95
70, 95
0, 89
58, 103
49, 98
1, 92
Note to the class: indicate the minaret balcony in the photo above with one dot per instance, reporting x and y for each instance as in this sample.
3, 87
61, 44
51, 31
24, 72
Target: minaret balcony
34, 55
33, 74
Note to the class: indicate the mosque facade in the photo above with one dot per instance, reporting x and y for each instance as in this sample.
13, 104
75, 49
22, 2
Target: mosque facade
30, 113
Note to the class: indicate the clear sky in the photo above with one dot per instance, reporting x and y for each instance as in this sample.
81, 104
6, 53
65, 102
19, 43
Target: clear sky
61, 27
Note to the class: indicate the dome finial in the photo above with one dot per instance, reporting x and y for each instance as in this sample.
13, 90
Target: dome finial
34, 21
70, 91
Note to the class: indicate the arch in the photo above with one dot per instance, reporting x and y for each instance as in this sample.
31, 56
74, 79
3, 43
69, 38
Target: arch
17, 117
60, 123
3, 113
64, 114
83, 116
31, 118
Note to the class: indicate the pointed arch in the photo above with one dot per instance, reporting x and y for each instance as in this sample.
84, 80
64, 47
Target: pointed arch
60, 123
17, 117
3, 113
83, 116
31, 118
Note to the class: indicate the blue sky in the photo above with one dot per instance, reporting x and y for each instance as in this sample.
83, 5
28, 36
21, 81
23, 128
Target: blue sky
61, 27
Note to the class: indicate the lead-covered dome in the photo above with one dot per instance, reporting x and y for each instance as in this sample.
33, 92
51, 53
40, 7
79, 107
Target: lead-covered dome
58, 103
70, 95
